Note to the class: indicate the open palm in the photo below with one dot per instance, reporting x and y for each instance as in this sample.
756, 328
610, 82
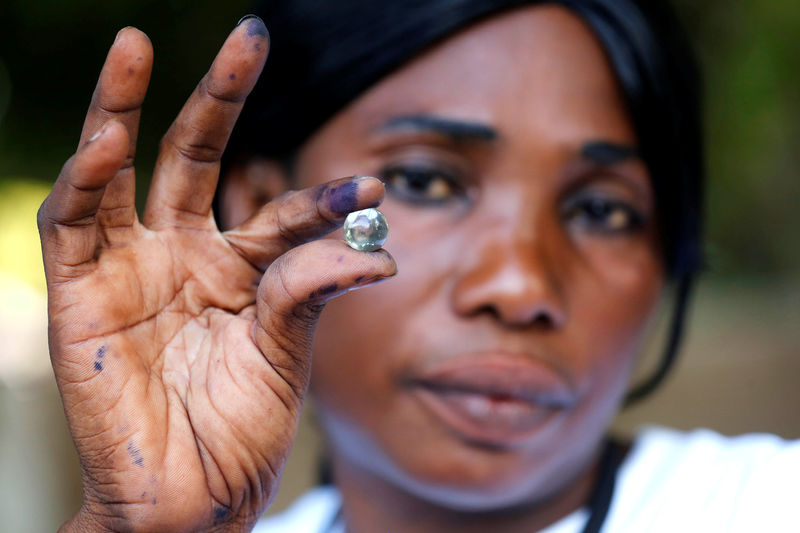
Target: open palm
182, 353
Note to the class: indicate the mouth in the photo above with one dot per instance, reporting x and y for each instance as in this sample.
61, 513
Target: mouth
494, 400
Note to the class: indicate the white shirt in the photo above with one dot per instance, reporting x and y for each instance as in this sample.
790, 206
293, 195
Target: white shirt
670, 482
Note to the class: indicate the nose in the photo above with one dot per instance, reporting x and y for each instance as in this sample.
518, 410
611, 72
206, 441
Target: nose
513, 276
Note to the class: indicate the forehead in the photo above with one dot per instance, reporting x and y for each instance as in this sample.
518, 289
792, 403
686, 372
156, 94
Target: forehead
538, 69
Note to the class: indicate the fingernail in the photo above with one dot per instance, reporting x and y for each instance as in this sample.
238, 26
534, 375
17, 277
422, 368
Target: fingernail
357, 179
98, 133
254, 29
248, 17
374, 281
120, 33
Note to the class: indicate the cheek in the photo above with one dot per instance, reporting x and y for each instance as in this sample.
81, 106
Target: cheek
616, 292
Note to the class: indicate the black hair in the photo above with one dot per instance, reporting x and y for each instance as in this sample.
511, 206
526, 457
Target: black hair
324, 54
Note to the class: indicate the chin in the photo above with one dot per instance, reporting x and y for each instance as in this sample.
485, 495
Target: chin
453, 473
485, 491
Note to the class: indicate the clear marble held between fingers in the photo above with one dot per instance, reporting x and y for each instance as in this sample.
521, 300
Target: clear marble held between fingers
366, 230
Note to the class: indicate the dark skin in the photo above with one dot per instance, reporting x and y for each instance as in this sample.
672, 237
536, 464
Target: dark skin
498, 257
469, 393
181, 353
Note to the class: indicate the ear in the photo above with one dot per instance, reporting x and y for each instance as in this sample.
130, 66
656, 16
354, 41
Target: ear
247, 185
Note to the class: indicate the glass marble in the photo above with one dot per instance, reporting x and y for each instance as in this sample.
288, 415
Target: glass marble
366, 230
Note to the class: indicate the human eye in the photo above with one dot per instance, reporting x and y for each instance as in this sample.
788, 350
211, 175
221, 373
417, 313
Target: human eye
421, 184
602, 214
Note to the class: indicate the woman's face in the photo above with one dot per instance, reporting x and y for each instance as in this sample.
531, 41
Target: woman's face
523, 225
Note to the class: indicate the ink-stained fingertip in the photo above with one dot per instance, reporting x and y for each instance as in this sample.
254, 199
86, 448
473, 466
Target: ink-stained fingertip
358, 193
248, 17
255, 26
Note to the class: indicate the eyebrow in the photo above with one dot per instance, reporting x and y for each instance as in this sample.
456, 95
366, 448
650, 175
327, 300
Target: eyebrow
608, 153
456, 130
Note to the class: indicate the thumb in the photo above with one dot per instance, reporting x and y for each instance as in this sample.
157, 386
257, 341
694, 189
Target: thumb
295, 289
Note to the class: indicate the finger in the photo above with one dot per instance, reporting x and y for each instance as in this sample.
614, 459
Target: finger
122, 85
67, 218
293, 292
187, 169
298, 217
118, 96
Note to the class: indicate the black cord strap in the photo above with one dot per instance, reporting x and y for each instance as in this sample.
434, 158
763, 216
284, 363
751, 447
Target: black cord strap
600, 499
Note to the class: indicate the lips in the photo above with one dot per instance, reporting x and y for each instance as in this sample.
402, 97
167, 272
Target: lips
494, 399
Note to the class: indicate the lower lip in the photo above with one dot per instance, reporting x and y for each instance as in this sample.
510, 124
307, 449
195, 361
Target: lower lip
486, 420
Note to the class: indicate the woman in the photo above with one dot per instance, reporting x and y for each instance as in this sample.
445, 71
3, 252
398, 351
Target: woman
542, 170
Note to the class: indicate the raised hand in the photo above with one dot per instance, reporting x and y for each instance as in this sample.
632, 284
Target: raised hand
182, 353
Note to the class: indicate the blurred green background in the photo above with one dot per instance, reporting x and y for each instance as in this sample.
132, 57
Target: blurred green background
740, 366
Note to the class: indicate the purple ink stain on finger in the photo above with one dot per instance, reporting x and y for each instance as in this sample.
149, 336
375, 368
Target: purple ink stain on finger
341, 257
344, 198
130, 70
359, 279
256, 27
232, 76
154, 501
101, 352
98, 366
